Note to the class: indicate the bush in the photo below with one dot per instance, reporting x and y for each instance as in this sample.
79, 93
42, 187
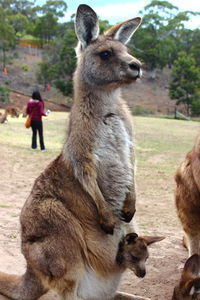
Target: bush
66, 87
24, 67
140, 111
4, 94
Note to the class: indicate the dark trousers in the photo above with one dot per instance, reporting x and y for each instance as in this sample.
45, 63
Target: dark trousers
37, 127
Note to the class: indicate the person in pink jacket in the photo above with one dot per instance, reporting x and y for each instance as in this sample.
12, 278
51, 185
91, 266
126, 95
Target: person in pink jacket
35, 108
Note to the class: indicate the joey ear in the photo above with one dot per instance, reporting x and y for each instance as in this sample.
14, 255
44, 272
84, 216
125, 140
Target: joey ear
131, 238
192, 265
124, 31
152, 239
86, 25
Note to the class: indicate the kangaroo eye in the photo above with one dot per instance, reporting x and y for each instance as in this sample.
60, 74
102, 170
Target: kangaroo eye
134, 258
105, 54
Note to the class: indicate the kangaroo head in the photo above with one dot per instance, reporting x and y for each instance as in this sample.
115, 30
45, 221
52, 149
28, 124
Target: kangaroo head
133, 252
103, 60
189, 285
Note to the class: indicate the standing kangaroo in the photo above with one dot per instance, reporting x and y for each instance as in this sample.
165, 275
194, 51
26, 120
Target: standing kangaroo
3, 118
187, 198
73, 220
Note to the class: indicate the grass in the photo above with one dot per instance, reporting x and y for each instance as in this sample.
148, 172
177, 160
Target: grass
5, 206
160, 143
13, 134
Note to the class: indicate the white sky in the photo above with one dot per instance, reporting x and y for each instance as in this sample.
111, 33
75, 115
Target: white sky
120, 10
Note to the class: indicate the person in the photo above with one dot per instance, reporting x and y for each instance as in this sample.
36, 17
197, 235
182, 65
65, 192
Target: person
35, 109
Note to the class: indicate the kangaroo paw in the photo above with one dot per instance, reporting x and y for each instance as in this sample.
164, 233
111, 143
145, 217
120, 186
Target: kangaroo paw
107, 221
127, 216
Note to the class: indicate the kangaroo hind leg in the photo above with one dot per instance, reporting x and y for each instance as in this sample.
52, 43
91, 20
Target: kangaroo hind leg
26, 287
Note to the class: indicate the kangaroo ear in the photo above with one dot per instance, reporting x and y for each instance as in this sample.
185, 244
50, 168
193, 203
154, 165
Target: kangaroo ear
131, 238
124, 31
152, 239
86, 25
192, 265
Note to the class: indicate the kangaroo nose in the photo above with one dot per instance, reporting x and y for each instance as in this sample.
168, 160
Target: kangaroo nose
134, 66
142, 273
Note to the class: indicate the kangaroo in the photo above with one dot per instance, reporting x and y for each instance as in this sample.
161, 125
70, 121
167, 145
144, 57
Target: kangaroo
189, 286
3, 117
133, 252
187, 196
73, 219
14, 112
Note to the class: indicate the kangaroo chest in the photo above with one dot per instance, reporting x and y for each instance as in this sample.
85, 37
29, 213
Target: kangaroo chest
113, 158
94, 287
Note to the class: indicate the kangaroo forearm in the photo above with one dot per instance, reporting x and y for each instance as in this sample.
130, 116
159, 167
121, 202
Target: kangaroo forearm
85, 172
128, 209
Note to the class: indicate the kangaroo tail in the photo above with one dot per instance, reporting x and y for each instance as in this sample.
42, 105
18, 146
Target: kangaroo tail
25, 287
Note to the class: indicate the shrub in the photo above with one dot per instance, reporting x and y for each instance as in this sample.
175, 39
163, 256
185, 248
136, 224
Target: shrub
4, 94
140, 111
24, 67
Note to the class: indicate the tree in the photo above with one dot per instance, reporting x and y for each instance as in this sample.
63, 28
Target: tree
7, 36
46, 74
195, 45
195, 107
54, 7
185, 81
4, 94
59, 60
19, 23
150, 40
45, 28
162, 34
14, 7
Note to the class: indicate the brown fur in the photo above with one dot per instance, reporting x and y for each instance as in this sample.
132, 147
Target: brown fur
133, 252
188, 198
80, 192
3, 118
189, 285
14, 112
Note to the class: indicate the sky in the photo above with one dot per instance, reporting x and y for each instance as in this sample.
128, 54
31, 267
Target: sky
116, 11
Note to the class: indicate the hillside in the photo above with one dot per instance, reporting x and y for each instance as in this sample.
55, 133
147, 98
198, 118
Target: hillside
146, 96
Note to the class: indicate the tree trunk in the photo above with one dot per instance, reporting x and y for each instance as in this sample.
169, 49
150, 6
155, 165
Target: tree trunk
175, 112
188, 110
4, 59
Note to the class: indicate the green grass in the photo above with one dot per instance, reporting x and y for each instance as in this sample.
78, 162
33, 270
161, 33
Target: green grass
160, 143
5, 206
13, 134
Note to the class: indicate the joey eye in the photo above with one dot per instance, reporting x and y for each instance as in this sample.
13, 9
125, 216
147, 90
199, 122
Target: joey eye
134, 258
105, 54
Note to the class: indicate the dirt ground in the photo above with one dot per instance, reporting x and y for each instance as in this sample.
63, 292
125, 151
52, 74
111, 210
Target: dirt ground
156, 215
